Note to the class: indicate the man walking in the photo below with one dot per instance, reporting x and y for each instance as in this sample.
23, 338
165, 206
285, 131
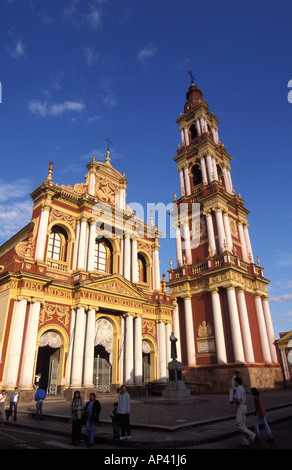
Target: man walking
248, 437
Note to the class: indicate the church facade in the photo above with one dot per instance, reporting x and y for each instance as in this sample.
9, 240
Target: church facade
81, 298
82, 303
222, 314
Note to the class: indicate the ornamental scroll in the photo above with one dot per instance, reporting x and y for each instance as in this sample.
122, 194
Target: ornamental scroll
53, 313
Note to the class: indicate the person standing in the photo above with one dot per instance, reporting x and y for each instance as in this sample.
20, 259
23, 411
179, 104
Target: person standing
14, 399
124, 413
92, 410
39, 398
77, 407
260, 412
248, 437
2, 405
115, 421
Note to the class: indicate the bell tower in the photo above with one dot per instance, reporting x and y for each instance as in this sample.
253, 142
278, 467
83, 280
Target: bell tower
221, 316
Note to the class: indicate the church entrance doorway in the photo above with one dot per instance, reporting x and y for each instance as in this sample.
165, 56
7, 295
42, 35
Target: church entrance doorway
102, 371
146, 362
47, 367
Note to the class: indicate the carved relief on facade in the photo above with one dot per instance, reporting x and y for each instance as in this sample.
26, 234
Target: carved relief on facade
60, 215
204, 330
106, 191
233, 228
55, 313
26, 248
149, 327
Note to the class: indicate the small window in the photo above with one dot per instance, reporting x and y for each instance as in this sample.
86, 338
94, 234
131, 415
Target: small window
57, 247
197, 175
142, 269
102, 257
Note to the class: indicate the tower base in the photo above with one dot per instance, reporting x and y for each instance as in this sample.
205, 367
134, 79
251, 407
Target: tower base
217, 378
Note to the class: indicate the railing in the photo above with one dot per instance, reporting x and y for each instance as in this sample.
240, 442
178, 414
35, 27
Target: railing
56, 264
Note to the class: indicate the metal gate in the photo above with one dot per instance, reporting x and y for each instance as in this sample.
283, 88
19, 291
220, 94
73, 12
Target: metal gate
102, 375
53, 376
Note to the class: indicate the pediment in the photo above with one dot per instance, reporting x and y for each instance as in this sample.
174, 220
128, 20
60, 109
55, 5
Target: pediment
116, 284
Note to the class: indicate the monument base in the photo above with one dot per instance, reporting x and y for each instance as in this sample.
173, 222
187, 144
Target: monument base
176, 390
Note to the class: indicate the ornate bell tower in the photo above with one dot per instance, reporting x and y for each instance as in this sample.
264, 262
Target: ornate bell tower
221, 314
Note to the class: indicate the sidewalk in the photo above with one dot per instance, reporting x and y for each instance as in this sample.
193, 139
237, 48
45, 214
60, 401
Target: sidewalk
157, 424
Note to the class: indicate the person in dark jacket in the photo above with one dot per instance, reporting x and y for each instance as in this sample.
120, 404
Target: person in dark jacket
92, 410
39, 398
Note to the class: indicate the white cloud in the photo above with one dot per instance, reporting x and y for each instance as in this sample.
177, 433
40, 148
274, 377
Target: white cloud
281, 298
146, 53
18, 50
108, 96
91, 19
45, 109
13, 217
91, 56
15, 211
17, 189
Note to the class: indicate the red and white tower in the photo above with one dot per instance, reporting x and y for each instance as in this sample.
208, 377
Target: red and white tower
222, 314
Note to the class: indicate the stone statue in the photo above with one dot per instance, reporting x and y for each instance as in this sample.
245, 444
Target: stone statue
173, 341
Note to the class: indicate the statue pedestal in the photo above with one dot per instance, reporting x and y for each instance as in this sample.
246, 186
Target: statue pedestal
176, 388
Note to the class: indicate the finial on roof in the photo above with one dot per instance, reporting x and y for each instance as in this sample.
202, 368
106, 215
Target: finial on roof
50, 171
108, 160
192, 77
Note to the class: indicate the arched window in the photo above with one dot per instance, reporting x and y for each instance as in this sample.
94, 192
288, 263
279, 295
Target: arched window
142, 268
102, 256
57, 247
193, 131
197, 175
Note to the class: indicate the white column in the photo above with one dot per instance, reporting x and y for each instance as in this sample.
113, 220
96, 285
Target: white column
186, 133
210, 232
215, 168
182, 183
76, 246
248, 244
198, 126
122, 199
227, 180
42, 234
182, 134
156, 270
134, 260
262, 329
227, 231
235, 326
210, 168
270, 329
220, 229
230, 180
78, 350
121, 270
167, 344
71, 344
91, 246
186, 243
187, 181
127, 257
203, 125
89, 349
242, 242
176, 329
91, 184
285, 365
29, 350
14, 347
178, 247
138, 361
129, 351
190, 341
218, 328
162, 368
249, 354
82, 243
122, 351
203, 170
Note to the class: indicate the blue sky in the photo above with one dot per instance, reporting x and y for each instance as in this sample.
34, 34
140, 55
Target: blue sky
76, 72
